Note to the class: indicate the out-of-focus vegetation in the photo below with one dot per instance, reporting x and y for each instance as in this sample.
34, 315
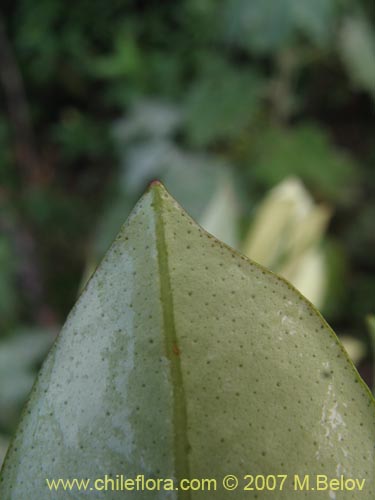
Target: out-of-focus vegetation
286, 236
221, 100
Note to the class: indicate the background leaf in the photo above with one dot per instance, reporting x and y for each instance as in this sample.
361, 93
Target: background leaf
221, 103
357, 44
306, 153
19, 358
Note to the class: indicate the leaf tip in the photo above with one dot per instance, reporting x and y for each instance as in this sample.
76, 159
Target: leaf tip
155, 184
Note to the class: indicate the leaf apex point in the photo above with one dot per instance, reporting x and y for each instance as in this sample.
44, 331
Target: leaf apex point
155, 184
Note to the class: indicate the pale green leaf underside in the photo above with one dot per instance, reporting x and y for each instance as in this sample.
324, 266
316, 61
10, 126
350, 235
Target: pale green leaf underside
185, 359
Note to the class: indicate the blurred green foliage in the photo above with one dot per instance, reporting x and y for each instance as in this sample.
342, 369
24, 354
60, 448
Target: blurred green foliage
191, 92
300, 152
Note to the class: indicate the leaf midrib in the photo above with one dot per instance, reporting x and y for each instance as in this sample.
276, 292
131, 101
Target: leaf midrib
181, 443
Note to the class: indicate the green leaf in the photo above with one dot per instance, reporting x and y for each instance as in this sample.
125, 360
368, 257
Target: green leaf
80, 136
305, 151
357, 48
184, 359
3, 448
269, 25
221, 103
371, 326
126, 59
20, 354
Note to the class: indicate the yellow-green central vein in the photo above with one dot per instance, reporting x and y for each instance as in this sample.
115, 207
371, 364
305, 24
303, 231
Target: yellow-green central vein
181, 444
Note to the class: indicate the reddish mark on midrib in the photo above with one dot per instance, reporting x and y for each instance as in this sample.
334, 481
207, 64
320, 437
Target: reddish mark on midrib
154, 182
176, 350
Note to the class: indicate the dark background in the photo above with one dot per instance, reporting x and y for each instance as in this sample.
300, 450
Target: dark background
98, 98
